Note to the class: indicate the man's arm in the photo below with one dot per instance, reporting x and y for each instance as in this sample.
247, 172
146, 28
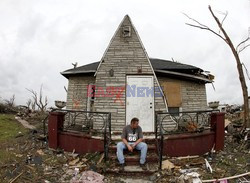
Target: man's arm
126, 143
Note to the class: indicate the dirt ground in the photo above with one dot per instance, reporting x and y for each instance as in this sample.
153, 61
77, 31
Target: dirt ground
25, 157
233, 160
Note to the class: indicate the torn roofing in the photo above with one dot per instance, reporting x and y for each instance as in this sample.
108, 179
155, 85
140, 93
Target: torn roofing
161, 67
158, 64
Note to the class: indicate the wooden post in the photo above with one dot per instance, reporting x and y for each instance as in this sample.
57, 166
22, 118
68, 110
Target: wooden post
218, 125
54, 126
213, 121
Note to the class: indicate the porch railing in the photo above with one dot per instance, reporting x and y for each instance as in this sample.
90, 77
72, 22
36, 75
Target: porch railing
168, 123
88, 122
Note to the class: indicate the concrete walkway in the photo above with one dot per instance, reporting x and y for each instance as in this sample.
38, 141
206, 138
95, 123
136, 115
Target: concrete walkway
25, 123
135, 180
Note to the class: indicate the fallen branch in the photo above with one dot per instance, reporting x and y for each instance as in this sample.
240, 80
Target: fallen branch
30, 167
16, 178
187, 157
101, 158
227, 178
6, 165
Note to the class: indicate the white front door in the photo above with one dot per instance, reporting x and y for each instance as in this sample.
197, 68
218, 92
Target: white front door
140, 101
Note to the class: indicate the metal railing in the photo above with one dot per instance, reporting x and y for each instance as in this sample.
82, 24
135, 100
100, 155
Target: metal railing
88, 122
168, 123
159, 140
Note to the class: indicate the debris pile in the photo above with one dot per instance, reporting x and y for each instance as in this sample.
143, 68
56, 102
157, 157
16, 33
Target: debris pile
28, 159
87, 177
232, 163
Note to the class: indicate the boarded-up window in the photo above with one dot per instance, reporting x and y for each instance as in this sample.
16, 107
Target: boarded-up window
172, 92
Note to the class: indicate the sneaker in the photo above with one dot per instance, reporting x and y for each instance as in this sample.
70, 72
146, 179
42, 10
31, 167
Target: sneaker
121, 168
143, 166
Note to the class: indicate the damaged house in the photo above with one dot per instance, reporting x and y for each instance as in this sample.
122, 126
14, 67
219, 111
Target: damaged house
128, 83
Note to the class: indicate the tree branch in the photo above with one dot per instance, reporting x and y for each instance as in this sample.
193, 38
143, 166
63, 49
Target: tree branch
243, 48
224, 18
242, 42
246, 71
38, 99
207, 28
226, 39
202, 26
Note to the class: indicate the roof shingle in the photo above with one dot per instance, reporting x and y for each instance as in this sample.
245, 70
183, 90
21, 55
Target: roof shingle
157, 64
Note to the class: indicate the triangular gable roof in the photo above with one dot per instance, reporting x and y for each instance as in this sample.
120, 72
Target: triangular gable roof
157, 65
113, 37
126, 17
137, 48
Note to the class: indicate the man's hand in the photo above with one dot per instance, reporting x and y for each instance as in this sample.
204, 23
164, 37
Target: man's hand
130, 148
137, 142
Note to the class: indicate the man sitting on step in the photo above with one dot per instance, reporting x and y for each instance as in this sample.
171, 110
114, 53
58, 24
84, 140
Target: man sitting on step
132, 139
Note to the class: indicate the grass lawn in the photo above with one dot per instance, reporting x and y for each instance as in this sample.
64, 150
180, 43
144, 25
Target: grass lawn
9, 129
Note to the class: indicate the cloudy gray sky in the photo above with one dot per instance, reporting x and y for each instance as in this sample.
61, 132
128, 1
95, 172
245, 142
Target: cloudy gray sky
39, 39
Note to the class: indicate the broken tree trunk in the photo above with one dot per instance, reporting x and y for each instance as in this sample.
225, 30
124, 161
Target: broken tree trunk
239, 67
228, 41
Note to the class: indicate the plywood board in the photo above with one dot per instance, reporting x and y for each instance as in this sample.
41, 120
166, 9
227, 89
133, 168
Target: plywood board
172, 92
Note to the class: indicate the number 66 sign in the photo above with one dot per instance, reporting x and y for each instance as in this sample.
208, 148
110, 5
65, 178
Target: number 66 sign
132, 137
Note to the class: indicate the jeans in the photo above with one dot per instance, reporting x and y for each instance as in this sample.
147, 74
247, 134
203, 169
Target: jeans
143, 147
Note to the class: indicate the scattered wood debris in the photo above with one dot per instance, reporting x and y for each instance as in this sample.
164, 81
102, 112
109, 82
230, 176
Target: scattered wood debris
29, 159
166, 164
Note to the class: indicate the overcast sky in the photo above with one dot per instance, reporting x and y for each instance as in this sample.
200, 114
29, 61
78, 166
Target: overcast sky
39, 39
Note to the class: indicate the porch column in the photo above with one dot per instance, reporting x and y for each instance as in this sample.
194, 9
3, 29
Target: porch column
55, 124
218, 125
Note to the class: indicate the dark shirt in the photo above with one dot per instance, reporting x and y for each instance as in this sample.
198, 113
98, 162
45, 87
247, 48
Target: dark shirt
130, 134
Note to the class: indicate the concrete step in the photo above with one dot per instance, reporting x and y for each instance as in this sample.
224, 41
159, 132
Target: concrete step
135, 158
134, 169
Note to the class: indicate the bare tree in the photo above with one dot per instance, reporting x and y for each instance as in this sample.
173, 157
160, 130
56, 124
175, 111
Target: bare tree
235, 50
28, 103
38, 99
11, 101
33, 106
